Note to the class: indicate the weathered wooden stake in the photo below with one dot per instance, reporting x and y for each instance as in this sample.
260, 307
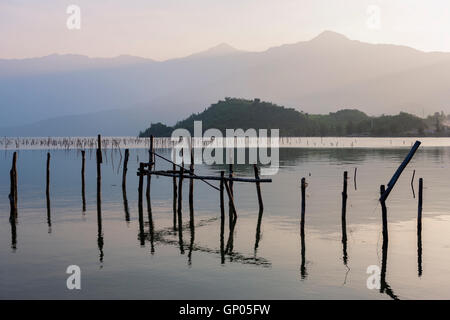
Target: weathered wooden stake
150, 166
47, 191
13, 189
191, 190
230, 187
354, 177
303, 272
180, 217
261, 208
419, 229
141, 183
344, 219
384, 215
99, 148
399, 171
125, 169
83, 187
174, 182
222, 219
231, 202
258, 188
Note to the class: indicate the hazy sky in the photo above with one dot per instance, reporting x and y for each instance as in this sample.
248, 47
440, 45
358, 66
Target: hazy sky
163, 29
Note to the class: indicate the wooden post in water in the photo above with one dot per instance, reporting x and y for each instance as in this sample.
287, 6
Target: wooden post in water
354, 177
344, 219
222, 218
231, 202
303, 272
180, 204
384, 215
13, 188
83, 187
174, 205
230, 211
258, 188
261, 208
125, 169
399, 171
47, 191
419, 229
141, 183
150, 166
99, 149
191, 189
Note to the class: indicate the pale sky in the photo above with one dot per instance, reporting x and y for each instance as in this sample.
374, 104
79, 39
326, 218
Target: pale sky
164, 29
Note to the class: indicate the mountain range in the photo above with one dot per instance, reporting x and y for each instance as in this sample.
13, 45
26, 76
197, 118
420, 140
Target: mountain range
76, 95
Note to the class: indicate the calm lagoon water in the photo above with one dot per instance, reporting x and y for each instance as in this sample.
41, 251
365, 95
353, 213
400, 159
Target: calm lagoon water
127, 264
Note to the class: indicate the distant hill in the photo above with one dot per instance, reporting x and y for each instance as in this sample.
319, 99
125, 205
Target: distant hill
322, 75
235, 113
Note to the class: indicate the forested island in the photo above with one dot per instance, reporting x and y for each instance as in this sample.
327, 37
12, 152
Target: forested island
234, 113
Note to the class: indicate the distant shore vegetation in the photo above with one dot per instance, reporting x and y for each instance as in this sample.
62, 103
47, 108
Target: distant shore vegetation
233, 113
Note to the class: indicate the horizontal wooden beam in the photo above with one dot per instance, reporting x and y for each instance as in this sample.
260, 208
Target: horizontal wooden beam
188, 176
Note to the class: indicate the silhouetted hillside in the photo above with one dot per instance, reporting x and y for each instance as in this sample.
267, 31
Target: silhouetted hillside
235, 113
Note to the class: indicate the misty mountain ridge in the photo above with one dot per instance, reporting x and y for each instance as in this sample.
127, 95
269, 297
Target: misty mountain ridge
322, 75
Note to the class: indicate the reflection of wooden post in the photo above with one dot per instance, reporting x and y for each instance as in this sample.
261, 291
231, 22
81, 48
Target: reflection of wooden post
83, 187
174, 205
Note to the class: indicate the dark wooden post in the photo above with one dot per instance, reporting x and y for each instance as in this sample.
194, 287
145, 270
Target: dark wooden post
13, 188
191, 190
47, 191
150, 166
231, 202
174, 205
230, 211
261, 208
354, 177
384, 215
180, 204
399, 171
141, 183
303, 272
344, 219
83, 187
100, 240
125, 169
258, 188
419, 229
303, 188
222, 218
99, 149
